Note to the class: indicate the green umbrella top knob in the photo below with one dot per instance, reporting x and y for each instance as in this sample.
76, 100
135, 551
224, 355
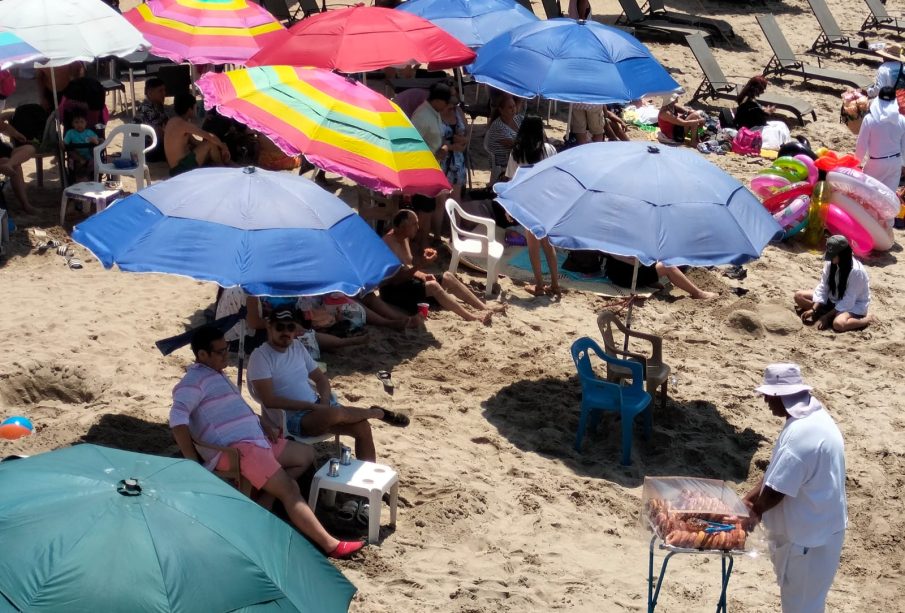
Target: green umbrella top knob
129, 487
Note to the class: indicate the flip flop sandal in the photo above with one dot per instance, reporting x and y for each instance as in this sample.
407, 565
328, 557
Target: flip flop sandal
394, 419
348, 511
74, 263
51, 244
63, 250
386, 378
361, 516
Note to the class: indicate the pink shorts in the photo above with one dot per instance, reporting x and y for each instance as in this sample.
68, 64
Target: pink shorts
257, 464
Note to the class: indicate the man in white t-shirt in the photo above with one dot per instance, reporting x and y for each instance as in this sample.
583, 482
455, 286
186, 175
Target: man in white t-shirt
279, 373
801, 497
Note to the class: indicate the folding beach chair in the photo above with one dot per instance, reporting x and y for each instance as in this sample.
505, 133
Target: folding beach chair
716, 86
785, 62
831, 35
879, 19
645, 25
657, 9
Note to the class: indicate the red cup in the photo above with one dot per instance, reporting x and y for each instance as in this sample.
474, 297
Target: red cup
423, 309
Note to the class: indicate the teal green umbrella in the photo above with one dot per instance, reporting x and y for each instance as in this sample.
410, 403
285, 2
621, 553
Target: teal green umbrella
89, 528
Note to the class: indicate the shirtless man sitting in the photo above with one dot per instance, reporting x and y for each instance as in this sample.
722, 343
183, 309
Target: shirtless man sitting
411, 285
183, 151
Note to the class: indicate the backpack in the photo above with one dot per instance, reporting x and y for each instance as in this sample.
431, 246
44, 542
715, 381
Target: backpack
746, 142
7, 84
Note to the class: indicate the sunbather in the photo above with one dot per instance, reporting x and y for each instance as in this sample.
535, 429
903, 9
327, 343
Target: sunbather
207, 407
183, 151
677, 122
280, 371
751, 113
411, 286
620, 269
11, 159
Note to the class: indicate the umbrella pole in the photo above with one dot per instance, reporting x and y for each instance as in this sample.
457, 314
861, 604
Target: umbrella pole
57, 126
569, 129
631, 299
241, 352
132, 88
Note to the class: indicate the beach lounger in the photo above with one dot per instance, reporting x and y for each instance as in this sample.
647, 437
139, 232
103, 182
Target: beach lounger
831, 35
657, 9
879, 19
644, 25
717, 87
785, 62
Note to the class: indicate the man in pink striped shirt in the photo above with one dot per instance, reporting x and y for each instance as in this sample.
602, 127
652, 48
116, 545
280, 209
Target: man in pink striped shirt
207, 407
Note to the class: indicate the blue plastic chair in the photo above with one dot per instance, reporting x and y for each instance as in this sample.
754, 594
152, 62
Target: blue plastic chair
600, 395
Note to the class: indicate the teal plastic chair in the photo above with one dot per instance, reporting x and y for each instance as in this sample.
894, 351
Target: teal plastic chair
599, 395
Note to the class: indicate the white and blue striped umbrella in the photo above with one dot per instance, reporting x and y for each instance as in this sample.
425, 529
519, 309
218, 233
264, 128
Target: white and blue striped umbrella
14, 50
272, 233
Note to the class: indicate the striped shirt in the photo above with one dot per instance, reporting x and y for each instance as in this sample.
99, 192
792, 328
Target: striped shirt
498, 132
215, 412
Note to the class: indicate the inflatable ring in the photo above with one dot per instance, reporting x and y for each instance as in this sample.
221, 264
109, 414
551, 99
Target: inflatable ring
795, 230
813, 172
781, 198
773, 171
839, 222
869, 192
794, 170
794, 213
879, 235
767, 185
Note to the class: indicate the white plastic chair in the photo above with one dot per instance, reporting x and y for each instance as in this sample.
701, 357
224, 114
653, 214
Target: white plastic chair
133, 146
279, 416
473, 243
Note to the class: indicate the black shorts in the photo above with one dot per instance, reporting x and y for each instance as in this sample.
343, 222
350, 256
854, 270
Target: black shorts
821, 309
620, 273
405, 295
423, 204
5, 150
678, 133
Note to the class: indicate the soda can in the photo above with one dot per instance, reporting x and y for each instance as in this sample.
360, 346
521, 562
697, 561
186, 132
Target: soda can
333, 471
345, 458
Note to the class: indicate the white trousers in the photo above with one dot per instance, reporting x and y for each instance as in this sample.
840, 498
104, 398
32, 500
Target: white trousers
805, 574
887, 171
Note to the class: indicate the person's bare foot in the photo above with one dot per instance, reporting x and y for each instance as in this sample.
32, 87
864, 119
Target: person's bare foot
554, 290
486, 319
702, 295
537, 290
498, 308
414, 321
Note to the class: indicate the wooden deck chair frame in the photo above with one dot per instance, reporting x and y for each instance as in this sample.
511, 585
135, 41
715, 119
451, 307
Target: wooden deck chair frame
879, 19
715, 85
831, 37
233, 471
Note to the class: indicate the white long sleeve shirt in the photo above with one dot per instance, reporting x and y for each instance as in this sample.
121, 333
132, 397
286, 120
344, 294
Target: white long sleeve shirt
857, 291
882, 133
887, 75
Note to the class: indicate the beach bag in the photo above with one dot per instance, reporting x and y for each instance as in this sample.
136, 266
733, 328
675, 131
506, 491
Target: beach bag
7, 84
747, 142
583, 261
774, 135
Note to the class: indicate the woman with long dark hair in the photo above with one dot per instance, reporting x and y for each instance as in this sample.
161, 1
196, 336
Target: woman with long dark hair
530, 147
750, 112
842, 296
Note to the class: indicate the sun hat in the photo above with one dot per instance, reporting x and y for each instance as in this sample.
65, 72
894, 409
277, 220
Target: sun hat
835, 245
892, 52
782, 380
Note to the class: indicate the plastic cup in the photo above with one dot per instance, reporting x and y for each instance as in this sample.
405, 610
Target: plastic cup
423, 309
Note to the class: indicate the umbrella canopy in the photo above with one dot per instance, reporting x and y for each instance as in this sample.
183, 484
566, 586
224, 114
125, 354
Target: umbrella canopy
205, 31
633, 199
473, 22
14, 50
88, 528
67, 31
339, 124
364, 38
571, 61
274, 234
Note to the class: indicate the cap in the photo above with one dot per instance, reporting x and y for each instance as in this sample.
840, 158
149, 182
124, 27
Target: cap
887, 93
282, 314
782, 380
835, 245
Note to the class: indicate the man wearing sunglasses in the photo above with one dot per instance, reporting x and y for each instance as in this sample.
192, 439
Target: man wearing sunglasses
207, 407
278, 374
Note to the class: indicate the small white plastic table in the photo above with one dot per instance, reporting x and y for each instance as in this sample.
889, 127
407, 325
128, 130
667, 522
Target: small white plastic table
365, 479
91, 192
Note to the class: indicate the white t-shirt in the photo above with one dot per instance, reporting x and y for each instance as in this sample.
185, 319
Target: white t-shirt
808, 466
549, 151
857, 290
288, 370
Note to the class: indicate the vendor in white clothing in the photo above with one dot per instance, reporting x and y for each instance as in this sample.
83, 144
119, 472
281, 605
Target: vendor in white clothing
882, 139
842, 296
890, 72
801, 497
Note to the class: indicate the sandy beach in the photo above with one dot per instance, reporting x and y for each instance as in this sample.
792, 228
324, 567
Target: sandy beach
497, 511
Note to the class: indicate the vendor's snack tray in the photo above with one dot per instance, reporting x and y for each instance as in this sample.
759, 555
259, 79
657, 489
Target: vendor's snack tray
688, 513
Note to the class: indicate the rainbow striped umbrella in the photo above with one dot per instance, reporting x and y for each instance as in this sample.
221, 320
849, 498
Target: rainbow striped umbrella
205, 31
337, 123
14, 50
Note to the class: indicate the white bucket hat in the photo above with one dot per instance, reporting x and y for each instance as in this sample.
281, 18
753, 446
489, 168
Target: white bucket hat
782, 380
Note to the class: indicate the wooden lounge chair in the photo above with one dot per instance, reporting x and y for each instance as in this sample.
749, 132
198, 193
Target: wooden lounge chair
785, 62
657, 10
644, 25
831, 35
879, 19
717, 87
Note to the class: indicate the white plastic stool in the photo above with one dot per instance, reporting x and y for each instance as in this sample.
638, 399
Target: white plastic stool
90, 192
365, 479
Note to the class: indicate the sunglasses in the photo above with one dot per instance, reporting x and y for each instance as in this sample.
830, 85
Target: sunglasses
220, 352
279, 327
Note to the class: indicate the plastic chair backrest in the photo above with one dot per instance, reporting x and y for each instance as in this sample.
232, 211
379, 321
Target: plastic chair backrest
133, 140
453, 210
605, 323
593, 388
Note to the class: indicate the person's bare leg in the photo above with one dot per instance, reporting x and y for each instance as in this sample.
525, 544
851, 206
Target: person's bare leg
844, 322
438, 215
329, 342
804, 299
296, 458
375, 318
203, 152
435, 291
376, 304
582, 137
12, 167
348, 421
451, 284
678, 278
552, 264
534, 258
286, 490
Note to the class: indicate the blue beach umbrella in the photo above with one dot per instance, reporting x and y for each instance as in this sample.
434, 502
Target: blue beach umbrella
88, 528
272, 233
571, 61
473, 22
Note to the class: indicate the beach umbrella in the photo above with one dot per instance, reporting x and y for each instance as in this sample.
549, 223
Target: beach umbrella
639, 200
89, 528
364, 38
14, 50
205, 31
339, 124
571, 61
272, 233
473, 22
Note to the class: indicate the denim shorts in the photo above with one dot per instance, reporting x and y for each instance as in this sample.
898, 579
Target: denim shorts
294, 418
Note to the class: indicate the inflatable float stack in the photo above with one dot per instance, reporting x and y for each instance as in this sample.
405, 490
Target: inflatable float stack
846, 202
